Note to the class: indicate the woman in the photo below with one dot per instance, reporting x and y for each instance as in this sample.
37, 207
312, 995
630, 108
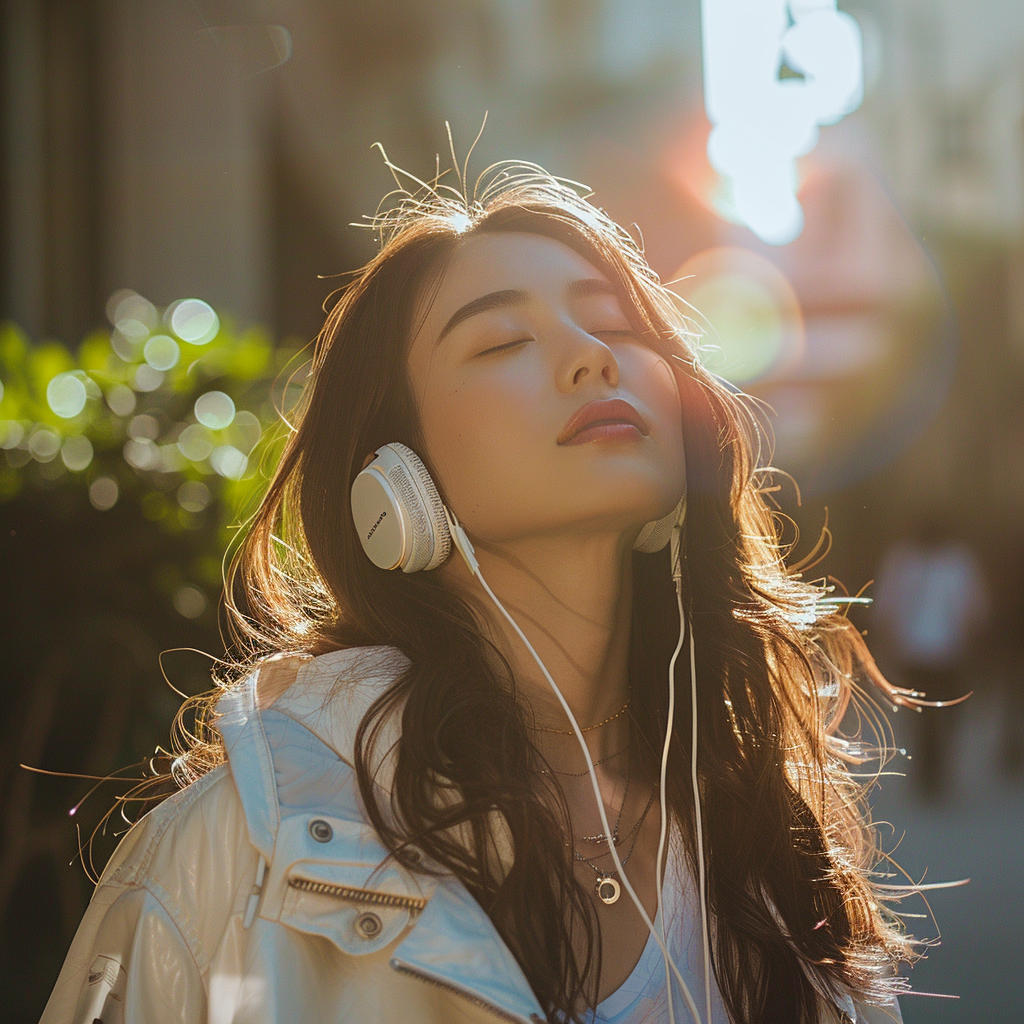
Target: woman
391, 818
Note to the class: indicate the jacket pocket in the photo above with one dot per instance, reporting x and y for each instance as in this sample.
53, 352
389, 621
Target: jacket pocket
331, 877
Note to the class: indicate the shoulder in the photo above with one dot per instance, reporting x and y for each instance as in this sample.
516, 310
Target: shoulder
192, 853
204, 813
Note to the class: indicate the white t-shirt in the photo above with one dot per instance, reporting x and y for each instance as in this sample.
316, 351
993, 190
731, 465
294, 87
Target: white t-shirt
641, 997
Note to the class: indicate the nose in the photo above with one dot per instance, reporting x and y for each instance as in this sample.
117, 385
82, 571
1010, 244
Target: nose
585, 359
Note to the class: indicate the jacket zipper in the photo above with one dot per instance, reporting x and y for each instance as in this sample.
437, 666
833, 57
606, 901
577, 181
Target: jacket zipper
483, 1004
414, 904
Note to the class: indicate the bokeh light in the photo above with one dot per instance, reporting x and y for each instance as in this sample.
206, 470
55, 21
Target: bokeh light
103, 493
245, 431
215, 410
131, 313
189, 602
747, 310
229, 462
193, 496
141, 453
11, 434
76, 453
195, 442
121, 400
146, 378
66, 395
144, 426
162, 352
193, 321
44, 444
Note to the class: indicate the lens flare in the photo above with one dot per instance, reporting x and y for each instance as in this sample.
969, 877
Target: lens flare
751, 319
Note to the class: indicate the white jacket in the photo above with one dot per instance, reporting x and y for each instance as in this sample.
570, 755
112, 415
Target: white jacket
261, 895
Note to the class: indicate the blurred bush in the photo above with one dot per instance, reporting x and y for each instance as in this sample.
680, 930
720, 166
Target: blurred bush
127, 465
170, 406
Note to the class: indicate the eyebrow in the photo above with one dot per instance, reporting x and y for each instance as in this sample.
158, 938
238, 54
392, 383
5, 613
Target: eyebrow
517, 297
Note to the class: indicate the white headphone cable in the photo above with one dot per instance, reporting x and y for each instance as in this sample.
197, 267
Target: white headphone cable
662, 795
465, 549
677, 577
699, 825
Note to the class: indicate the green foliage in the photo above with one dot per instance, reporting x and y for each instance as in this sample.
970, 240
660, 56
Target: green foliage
173, 408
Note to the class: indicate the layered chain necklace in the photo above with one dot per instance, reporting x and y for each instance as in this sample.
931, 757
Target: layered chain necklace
607, 884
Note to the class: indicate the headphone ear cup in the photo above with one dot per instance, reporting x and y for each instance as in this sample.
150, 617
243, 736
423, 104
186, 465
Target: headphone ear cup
656, 534
398, 513
432, 539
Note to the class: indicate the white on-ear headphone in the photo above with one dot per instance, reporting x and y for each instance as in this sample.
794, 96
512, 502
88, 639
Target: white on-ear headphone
403, 524
401, 519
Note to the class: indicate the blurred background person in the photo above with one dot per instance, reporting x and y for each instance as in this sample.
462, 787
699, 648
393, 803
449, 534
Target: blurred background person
931, 606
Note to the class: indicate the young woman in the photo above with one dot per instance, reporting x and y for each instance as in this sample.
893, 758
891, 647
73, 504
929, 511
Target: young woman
391, 817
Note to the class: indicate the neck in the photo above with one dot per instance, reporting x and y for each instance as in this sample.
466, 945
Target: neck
572, 597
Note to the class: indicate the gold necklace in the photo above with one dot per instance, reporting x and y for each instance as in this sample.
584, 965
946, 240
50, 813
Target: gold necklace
589, 728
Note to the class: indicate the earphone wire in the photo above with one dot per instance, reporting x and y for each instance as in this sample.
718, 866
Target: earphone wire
699, 826
677, 576
662, 796
465, 549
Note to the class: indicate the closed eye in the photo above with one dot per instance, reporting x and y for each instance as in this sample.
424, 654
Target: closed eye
504, 347
618, 331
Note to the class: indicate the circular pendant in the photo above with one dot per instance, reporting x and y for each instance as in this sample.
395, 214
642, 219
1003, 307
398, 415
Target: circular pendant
608, 889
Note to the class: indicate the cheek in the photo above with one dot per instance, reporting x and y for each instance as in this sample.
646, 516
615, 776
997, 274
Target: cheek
478, 439
656, 386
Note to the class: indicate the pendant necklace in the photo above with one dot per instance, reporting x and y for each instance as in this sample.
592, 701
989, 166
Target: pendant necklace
607, 885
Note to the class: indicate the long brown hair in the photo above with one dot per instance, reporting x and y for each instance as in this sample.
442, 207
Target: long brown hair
789, 847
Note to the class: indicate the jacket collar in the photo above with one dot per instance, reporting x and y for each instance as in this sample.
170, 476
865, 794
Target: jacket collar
333, 692
453, 943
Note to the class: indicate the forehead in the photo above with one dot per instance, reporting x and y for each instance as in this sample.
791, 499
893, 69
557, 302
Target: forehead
492, 263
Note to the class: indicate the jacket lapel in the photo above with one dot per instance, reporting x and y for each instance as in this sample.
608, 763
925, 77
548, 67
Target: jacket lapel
455, 944
452, 942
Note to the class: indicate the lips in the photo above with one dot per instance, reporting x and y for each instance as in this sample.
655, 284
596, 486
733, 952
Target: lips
607, 418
